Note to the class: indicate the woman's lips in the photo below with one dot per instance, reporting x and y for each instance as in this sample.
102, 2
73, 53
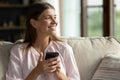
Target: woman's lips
52, 28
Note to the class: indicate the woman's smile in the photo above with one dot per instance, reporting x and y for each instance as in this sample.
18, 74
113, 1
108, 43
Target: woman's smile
53, 28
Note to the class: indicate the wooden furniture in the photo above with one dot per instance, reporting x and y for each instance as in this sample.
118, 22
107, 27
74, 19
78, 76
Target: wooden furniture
12, 21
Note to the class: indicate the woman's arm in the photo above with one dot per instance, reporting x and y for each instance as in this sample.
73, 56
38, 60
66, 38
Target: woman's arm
14, 66
60, 75
70, 63
43, 66
33, 75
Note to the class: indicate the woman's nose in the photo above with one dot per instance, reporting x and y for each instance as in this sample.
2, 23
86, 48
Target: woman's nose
54, 21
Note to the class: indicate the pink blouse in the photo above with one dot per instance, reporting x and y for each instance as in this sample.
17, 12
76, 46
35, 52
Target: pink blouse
21, 64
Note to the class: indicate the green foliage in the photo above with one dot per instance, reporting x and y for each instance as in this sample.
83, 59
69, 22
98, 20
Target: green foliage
95, 23
117, 25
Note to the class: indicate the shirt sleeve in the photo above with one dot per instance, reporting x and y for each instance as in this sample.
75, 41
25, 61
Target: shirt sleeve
70, 63
14, 71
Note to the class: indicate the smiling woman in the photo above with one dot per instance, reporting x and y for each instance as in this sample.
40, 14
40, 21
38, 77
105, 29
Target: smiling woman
27, 59
55, 3
46, 22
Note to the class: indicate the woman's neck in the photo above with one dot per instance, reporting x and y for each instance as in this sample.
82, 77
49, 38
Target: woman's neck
41, 43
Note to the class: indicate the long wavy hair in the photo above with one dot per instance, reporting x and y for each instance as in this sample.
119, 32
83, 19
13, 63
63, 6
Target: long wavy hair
33, 12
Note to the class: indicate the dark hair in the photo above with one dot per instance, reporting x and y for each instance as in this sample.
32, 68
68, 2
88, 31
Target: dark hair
33, 12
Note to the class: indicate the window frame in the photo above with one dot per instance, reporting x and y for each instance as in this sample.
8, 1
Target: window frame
108, 18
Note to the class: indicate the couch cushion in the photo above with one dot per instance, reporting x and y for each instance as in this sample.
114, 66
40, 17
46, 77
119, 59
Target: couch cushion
89, 51
109, 68
4, 57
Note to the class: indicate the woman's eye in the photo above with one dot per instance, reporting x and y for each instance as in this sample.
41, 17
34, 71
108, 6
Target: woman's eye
50, 18
55, 17
47, 17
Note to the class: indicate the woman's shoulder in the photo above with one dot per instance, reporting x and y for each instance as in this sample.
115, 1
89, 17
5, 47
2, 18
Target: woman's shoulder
19, 46
18, 49
62, 44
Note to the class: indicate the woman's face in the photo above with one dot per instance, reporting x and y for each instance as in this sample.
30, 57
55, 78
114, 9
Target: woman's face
46, 22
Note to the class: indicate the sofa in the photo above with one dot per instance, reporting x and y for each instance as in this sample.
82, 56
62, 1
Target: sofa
88, 52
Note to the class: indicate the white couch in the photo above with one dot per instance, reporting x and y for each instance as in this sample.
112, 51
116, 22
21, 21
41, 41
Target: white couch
88, 53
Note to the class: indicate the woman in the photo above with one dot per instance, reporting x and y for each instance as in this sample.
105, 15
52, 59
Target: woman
27, 60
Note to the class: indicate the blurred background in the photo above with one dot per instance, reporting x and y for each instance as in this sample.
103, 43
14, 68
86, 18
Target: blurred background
77, 18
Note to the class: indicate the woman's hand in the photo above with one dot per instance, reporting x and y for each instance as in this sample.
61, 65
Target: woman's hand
49, 65
60, 75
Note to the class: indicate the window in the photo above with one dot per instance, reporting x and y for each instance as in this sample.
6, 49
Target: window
94, 17
105, 17
117, 19
70, 18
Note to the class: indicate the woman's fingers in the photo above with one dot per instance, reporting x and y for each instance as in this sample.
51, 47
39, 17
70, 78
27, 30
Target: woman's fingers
51, 65
41, 56
52, 68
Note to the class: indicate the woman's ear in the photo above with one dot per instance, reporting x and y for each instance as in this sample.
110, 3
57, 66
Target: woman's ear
33, 23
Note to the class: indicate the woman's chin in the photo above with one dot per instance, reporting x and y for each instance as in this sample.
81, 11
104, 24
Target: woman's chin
53, 32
